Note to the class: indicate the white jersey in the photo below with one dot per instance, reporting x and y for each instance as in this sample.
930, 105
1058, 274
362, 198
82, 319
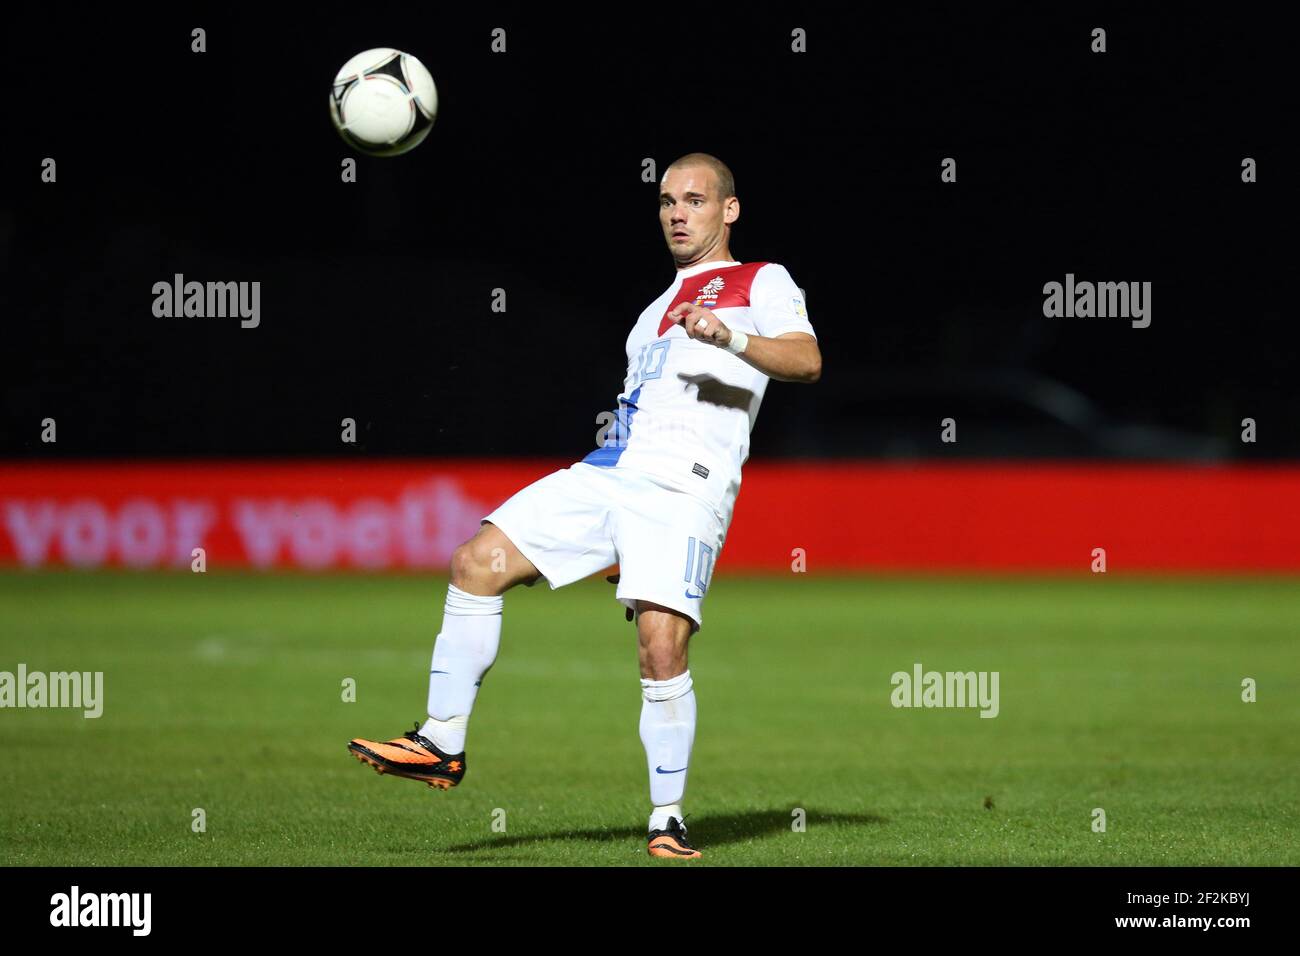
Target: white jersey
687, 407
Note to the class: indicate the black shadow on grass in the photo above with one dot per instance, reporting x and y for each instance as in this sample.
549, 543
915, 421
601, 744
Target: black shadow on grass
711, 829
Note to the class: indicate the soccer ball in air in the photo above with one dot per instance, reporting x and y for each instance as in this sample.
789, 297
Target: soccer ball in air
383, 102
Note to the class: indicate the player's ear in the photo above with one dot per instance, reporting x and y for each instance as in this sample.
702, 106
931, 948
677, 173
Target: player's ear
731, 211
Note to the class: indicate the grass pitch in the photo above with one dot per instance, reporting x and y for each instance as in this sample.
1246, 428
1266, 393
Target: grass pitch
224, 693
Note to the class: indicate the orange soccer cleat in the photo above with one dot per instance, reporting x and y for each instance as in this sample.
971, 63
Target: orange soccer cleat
413, 757
671, 842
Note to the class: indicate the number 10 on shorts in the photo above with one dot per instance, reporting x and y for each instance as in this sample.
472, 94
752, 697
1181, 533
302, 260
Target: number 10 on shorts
699, 567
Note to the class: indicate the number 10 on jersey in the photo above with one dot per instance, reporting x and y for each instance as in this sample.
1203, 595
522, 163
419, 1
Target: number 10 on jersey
699, 567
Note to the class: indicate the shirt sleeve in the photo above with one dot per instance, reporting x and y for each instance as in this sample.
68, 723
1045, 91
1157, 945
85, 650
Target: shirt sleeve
776, 304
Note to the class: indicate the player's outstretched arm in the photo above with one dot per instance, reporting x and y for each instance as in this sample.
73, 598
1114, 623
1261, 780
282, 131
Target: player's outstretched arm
792, 357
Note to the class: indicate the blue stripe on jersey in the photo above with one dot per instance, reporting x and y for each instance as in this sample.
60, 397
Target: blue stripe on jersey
617, 437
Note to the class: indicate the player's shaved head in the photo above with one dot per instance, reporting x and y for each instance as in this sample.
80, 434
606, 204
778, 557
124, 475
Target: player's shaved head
725, 182
697, 205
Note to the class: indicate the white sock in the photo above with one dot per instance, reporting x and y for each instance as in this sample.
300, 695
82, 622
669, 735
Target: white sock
668, 732
659, 816
464, 651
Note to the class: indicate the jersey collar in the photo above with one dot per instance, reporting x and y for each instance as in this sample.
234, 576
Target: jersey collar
706, 266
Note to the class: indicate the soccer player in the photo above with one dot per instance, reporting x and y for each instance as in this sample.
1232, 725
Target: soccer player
656, 497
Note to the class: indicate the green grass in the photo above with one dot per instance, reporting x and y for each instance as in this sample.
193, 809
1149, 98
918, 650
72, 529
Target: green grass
224, 692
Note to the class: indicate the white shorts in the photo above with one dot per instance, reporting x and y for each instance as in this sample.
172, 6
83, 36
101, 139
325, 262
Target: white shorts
584, 518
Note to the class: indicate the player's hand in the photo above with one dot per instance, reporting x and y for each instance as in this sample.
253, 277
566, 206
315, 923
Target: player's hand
701, 324
614, 579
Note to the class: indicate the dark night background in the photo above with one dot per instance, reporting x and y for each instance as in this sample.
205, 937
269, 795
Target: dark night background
927, 297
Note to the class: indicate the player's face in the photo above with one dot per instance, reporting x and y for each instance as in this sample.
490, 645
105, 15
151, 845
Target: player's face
693, 218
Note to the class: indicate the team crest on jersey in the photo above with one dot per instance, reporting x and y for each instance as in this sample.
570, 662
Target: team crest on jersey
709, 292
718, 293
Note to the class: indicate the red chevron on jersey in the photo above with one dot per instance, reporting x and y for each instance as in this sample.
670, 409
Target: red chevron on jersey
725, 288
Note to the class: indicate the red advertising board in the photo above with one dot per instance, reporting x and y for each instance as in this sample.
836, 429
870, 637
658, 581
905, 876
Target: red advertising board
832, 515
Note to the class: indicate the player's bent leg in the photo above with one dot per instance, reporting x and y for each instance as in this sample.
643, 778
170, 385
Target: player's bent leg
482, 569
667, 723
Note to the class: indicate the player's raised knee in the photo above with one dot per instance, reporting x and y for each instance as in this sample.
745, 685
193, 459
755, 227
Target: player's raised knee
489, 563
471, 567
